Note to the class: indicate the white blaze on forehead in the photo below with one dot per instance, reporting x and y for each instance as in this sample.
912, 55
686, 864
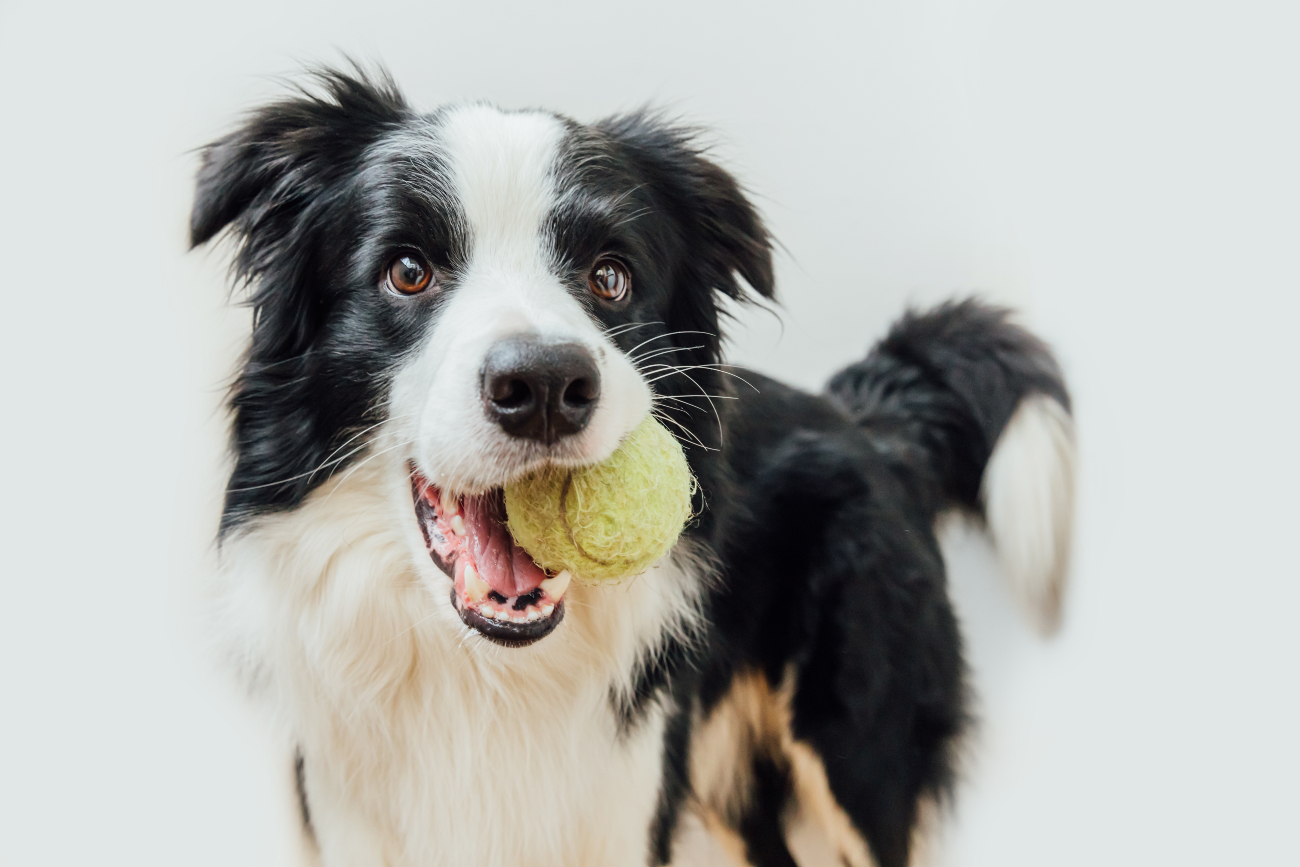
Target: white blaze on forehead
501, 167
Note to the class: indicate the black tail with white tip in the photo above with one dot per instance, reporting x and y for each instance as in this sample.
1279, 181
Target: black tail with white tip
977, 406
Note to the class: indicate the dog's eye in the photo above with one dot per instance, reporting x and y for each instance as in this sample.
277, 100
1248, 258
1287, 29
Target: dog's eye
409, 274
610, 280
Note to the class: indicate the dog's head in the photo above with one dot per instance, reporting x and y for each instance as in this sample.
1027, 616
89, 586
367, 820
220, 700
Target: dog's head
468, 295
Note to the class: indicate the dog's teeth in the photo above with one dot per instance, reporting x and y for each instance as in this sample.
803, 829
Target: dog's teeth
519, 618
450, 504
475, 587
555, 587
500, 614
547, 609
533, 615
458, 525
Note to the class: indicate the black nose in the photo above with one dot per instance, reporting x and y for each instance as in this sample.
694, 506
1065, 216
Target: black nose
540, 391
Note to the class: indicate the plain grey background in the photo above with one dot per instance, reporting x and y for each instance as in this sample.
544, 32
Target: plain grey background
1124, 173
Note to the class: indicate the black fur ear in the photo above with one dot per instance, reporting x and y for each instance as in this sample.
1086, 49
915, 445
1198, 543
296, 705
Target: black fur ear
281, 185
725, 230
289, 149
275, 180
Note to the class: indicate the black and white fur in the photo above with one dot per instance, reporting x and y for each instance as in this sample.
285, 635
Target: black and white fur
786, 685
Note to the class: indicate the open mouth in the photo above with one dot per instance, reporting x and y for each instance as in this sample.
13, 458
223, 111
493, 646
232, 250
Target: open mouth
497, 589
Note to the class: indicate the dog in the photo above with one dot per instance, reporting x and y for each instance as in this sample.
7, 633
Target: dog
444, 302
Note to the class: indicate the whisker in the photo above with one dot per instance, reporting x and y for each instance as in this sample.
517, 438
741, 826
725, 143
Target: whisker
683, 400
370, 458
675, 423
685, 408
706, 397
330, 460
694, 394
717, 368
668, 334
615, 330
660, 366
649, 354
308, 474
362, 432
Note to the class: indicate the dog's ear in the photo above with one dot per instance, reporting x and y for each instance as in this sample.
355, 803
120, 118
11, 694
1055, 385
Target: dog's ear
278, 185
726, 235
269, 169
274, 182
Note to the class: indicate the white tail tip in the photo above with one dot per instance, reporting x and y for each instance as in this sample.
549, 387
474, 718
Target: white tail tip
1028, 493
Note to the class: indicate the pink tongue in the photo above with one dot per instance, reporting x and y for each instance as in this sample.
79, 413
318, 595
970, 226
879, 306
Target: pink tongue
505, 566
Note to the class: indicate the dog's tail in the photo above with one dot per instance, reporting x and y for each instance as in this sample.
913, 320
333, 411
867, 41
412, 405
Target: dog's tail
977, 407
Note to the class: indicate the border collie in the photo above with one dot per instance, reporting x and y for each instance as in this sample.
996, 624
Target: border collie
446, 301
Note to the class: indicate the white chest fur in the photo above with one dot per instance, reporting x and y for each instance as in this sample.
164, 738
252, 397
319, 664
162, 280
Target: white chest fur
423, 742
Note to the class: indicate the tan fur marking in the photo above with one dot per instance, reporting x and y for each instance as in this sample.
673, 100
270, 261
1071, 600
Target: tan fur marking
704, 840
755, 719
727, 838
724, 745
820, 824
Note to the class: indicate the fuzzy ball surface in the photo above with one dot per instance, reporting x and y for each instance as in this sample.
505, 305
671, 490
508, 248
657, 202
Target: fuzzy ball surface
607, 521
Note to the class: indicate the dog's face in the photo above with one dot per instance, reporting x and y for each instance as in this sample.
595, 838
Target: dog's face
471, 294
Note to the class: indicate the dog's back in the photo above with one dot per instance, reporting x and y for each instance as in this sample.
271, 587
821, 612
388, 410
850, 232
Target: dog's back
834, 607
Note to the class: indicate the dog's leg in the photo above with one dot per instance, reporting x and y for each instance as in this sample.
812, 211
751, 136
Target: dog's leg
333, 825
704, 840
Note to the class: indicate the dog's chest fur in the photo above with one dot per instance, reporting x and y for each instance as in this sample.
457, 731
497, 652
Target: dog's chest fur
422, 743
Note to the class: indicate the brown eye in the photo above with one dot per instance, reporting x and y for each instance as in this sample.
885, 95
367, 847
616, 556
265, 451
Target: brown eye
409, 274
610, 280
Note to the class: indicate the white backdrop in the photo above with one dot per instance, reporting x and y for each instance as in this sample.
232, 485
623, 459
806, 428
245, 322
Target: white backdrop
1123, 172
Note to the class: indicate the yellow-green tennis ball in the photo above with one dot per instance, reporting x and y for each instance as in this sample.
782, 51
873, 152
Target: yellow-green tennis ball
609, 520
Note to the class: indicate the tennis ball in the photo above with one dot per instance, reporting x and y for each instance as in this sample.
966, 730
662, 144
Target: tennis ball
610, 520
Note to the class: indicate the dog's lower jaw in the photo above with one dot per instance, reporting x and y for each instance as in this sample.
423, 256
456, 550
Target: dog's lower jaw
422, 742
458, 532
